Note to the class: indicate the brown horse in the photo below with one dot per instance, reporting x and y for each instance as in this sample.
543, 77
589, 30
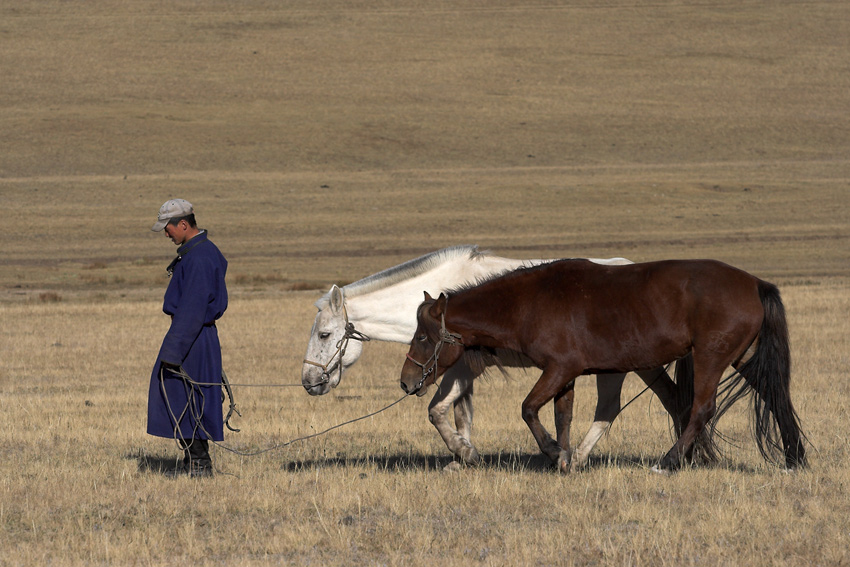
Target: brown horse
573, 317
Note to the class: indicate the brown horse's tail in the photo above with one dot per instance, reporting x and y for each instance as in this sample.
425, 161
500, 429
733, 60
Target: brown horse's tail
768, 373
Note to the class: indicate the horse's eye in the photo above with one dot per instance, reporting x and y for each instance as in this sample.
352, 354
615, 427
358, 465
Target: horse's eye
422, 338
324, 336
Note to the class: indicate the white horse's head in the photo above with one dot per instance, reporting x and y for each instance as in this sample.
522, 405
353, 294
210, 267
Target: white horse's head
331, 348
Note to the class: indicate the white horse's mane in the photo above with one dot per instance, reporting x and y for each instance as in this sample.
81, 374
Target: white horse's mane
406, 270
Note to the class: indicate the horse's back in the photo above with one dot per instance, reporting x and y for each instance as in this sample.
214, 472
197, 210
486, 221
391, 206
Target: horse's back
612, 313
703, 284
695, 277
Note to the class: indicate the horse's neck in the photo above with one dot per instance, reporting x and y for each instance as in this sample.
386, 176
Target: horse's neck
474, 319
389, 314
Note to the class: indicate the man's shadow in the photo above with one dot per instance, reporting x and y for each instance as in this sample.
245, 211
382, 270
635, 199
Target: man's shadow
153, 463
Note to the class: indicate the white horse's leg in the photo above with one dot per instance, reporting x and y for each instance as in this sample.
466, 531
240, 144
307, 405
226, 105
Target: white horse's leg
454, 386
608, 387
662, 386
463, 409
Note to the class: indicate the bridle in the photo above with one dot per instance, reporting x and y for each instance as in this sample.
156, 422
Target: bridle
341, 345
430, 365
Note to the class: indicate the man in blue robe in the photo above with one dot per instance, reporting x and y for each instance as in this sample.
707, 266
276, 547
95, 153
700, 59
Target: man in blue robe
185, 397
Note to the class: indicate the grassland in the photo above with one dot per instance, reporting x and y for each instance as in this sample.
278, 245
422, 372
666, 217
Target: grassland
323, 143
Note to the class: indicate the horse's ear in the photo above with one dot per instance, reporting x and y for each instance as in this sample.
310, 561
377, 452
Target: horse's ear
428, 297
439, 306
337, 299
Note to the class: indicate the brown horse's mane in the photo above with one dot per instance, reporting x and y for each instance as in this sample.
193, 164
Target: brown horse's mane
482, 359
507, 274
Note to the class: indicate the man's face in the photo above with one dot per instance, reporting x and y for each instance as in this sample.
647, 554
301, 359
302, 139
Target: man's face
177, 232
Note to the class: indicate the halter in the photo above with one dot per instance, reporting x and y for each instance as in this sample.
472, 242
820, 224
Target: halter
430, 365
341, 345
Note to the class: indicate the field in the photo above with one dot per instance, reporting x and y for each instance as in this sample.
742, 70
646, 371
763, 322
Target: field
322, 143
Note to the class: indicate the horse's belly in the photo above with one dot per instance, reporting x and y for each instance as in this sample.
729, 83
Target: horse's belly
628, 355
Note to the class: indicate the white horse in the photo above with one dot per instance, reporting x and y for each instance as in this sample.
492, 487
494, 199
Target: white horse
383, 307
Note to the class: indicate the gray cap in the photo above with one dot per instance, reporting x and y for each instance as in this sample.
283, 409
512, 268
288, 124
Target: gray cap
173, 209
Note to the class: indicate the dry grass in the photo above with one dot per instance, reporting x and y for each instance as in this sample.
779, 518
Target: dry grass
80, 481
323, 143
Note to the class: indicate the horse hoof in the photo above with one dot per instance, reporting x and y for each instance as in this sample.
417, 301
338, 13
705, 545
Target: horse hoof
564, 462
658, 470
470, 456
453, 466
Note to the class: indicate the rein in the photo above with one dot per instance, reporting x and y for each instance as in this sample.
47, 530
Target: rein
430, 365
341, 346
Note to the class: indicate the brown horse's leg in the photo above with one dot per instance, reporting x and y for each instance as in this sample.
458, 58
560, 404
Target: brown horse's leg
608, 388
666, 389
551, 382
564, 416
707, 374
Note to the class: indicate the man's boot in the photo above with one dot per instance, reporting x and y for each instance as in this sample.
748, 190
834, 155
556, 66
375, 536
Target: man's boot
200, 463
196, 460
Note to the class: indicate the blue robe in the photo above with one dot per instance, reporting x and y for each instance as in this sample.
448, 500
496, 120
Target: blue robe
195, 298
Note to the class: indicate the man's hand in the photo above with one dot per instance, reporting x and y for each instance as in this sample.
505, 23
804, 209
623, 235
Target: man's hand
171, 367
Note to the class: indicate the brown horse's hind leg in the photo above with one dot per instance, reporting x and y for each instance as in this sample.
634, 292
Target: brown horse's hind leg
678, 405
707, 374
552, 382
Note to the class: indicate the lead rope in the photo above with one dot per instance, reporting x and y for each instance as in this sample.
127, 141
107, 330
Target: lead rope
198, 425
310, 436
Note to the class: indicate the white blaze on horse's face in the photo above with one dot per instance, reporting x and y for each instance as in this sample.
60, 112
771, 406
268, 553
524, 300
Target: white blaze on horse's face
327, 352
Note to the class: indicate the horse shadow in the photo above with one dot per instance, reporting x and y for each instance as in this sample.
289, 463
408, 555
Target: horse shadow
507, 462
420, 462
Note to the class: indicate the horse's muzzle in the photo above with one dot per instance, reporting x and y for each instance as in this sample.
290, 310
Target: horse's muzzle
317, 389
408, 389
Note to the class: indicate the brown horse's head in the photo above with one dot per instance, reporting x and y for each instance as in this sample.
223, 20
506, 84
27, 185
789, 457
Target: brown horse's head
433, 350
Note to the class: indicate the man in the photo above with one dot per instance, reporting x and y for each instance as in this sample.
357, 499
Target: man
184, 401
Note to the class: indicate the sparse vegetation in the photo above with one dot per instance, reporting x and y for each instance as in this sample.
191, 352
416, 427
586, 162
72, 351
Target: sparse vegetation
325, 143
